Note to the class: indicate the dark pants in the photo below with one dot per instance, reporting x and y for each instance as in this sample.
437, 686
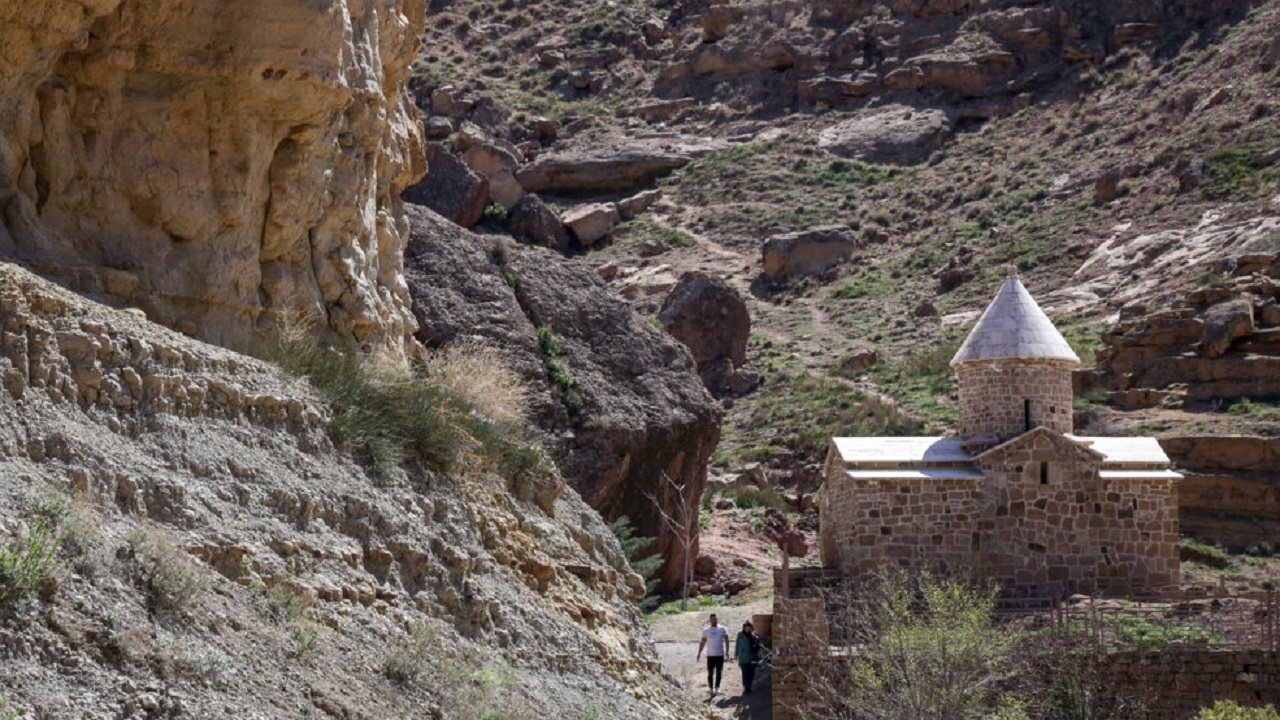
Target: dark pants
748, 676
715, 668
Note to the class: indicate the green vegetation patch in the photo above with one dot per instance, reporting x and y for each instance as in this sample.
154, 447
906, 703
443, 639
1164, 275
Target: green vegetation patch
387, 415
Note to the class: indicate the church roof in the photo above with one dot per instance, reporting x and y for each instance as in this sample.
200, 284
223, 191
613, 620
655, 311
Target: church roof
1014, 326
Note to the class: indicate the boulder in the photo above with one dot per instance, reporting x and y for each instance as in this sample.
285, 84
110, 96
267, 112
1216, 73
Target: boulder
591, 223
859, 362
532, 220
638, 203
498, 164
894, 134
450, 188
808, 252
704, 566
709, 317
438, 128
610, 169
639, 414
1224, 323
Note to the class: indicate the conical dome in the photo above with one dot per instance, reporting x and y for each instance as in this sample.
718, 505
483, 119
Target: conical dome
1014, 326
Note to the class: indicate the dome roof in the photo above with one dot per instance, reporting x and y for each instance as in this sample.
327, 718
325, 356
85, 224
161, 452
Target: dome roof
1014, 326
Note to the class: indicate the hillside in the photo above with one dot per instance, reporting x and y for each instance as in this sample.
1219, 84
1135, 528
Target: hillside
1118, 155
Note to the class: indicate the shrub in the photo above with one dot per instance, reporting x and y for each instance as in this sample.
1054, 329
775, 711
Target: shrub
27, 566
557, 374
408, 659
1231, 710
387, 414
929, 649
636, 549
171, 577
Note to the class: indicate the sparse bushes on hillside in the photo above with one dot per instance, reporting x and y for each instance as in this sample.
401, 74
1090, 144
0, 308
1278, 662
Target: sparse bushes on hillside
172, 579
464, 408
463, 684
28, 565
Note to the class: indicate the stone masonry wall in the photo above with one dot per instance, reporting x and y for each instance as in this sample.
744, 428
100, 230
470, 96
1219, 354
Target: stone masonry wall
1073, 532
1059, 527
1174, 684
912, 523
993, 395
801, 640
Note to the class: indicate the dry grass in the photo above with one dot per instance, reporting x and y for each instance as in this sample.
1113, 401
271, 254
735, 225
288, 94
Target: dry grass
481, 376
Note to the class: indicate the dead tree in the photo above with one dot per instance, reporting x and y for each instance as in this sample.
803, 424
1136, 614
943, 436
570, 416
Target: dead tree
681, 523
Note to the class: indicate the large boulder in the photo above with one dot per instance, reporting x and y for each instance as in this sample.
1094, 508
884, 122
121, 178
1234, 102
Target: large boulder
709, 317
531, 219
450, 188
1225, 323
637, 412
895, 134
498, 164
808, 252
591, 223
608, 169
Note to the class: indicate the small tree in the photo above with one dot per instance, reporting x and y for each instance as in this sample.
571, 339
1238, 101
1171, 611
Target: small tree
920, 647
681, 521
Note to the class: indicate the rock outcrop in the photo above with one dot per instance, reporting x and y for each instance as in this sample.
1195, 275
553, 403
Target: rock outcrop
450, 188
1219, 343
712, 320
808, 251
606, 170
617, 398
1230, 491
220, 166
202, 470
897, 134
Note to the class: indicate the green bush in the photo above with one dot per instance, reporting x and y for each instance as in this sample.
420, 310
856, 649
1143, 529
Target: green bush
557, 374
28, 564
1231, 710
636, 549
171, 577
929, 648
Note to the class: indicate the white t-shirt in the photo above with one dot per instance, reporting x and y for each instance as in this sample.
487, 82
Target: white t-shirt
716, 638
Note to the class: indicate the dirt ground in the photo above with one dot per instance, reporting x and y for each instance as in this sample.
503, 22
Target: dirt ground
676, 638
727, 537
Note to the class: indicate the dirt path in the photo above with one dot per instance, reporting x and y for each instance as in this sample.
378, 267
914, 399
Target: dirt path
676, 639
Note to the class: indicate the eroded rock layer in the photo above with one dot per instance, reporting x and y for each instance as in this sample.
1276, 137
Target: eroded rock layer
195, 467
220, 165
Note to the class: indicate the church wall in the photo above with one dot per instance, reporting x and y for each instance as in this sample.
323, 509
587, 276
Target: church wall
993, 394
1058, 528
1036, 538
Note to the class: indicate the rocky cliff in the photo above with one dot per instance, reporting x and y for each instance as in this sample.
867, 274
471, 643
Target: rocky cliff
618, 398
220, 557
219, 165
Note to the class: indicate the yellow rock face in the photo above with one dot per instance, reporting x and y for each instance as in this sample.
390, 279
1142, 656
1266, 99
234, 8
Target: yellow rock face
219, 165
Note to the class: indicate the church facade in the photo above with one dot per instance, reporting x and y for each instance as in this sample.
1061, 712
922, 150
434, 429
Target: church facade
1014, 496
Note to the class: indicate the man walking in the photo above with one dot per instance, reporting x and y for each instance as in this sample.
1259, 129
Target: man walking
714, 639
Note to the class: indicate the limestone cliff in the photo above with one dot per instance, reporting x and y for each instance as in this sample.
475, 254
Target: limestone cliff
197, 469
219, 165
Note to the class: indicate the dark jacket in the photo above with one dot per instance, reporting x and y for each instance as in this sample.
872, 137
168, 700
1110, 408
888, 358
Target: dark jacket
747, 648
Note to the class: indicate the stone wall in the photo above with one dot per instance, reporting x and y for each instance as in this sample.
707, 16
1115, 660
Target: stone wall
994, 393
792, 688
916, 523
1059, 526
1045, 532
801, 640
1174, 684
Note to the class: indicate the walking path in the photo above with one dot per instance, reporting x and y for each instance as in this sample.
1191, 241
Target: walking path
676, 638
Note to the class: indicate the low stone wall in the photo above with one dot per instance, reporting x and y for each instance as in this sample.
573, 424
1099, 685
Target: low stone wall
1176, 683
791, 686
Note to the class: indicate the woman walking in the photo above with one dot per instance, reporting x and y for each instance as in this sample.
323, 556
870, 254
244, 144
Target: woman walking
747, 648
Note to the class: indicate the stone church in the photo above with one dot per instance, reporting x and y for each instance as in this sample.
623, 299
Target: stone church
1014, 496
